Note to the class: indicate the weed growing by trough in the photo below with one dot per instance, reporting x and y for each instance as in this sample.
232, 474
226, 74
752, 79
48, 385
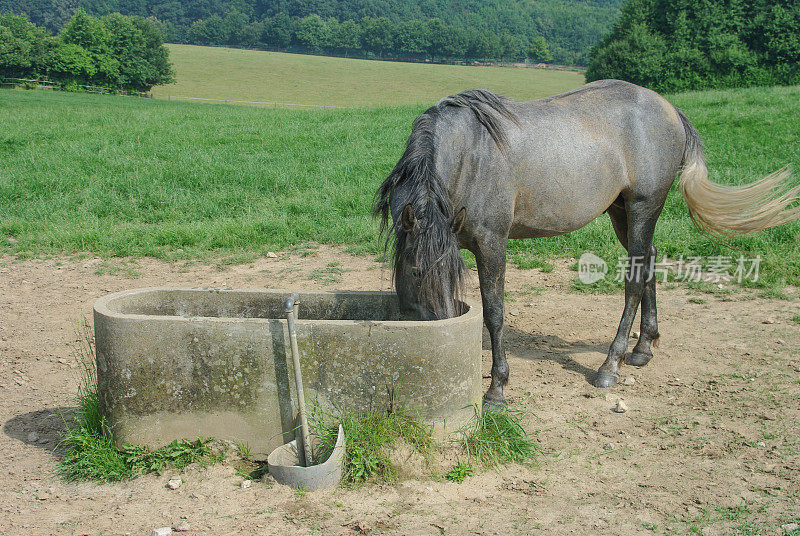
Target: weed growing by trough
370, 437
494, 438
89, 451
497, 437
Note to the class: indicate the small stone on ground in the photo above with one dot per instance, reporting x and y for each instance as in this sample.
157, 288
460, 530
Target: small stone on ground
161, 531
246, 484
174, 483
789, 527
183, 526
628, 381
621, 407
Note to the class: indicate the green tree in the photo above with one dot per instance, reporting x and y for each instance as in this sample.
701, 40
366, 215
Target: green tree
695, 44
513, 47
378, 35
278, 31
23, 47
152, 67
347, 36
90, 34
232, 27
71, 64
251, 35
538, 50
312, 32
412, 38
210, 31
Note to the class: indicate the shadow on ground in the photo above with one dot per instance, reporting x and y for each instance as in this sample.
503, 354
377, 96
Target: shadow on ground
44, 428
537, 347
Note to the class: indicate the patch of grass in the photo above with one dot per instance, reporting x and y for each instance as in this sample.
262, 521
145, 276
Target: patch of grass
460, 472
796, 319
712, 288
238, 258
176, 455
774, 293
243, 450
497, 437
128, 269
697, 300
528, 262
330, 274
607, 285
531, 290
528, 290
89, 451
252, 75
370, 437
734, 513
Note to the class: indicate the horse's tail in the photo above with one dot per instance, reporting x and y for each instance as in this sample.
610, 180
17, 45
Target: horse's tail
724, 210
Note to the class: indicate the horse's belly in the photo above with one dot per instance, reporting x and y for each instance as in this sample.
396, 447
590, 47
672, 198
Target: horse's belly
542, 213
539, 228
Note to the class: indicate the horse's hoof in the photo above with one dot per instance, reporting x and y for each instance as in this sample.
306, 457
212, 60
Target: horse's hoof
605, 379
494, 403
638, 359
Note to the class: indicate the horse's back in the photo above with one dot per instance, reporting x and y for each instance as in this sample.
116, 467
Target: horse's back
569, 156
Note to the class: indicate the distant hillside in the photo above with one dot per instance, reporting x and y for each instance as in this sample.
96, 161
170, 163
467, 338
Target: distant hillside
473, 28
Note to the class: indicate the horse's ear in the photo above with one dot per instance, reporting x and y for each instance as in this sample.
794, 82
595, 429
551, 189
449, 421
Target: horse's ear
407, 218
458, 221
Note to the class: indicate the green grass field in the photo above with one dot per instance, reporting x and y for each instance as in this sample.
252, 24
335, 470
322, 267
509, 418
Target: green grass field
123, 176
251, 75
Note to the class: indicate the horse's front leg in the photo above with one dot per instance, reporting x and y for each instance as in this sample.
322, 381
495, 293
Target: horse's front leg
490, 255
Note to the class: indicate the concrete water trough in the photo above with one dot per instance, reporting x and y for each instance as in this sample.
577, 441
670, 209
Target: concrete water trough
178, 363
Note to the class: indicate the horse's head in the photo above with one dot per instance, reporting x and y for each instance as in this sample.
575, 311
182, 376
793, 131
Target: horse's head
428, 267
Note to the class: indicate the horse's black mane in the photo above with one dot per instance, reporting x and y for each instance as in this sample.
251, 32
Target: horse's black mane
435, 249
488, 108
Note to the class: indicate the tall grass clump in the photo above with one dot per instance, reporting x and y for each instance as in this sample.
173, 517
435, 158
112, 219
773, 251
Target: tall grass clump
370, 436
89, 452
496, 437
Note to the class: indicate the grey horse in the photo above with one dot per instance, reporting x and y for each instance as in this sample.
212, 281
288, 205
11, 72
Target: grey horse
479, 169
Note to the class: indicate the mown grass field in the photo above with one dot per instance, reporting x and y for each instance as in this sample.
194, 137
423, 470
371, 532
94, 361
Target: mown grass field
252, 75
122, 176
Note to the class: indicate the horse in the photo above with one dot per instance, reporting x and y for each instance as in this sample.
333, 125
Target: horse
479, 168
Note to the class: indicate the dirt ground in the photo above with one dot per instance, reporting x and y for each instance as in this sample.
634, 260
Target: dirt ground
709, 445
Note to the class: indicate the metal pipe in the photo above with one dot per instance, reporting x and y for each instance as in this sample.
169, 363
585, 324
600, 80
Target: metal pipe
291, 309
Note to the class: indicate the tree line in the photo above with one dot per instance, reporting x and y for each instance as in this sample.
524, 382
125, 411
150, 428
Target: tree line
377, 37
115, 51
501, 29
677, 45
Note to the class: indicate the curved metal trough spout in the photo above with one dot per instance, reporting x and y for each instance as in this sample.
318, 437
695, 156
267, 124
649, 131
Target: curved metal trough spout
178, 363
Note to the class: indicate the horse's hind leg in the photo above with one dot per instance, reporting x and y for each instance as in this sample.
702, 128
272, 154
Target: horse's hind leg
648, 336
640, 217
